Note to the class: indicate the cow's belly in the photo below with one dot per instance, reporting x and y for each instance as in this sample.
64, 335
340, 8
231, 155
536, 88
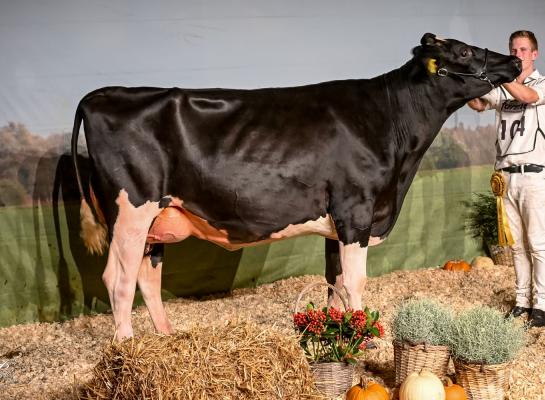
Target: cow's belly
175, 224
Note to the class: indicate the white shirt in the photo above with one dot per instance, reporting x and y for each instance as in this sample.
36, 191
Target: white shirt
521, 127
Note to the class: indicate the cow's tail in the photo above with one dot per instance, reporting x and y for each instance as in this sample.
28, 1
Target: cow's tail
93, 228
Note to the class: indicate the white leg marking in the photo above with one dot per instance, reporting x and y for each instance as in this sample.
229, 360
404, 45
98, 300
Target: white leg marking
149, 282
353, 262
334, 300
125, 257
373, 240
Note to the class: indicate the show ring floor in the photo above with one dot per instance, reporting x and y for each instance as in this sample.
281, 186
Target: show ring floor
44, 360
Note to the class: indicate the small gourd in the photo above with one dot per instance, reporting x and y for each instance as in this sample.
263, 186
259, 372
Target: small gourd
454, 391
457, 265
367, 391
422, 386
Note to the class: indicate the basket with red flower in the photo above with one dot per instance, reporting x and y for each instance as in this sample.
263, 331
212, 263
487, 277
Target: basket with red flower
333, 339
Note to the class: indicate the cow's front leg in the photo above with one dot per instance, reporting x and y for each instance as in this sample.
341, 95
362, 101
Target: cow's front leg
333, 272
124, 259
149, 282
354, 271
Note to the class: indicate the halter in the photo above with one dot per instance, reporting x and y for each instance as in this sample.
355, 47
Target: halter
481, 74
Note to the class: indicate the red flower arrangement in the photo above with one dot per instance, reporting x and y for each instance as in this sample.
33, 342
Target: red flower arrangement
330, 334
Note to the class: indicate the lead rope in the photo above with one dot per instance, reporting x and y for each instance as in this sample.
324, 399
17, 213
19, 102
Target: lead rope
499, 188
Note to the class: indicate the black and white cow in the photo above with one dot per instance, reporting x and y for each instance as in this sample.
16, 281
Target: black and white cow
243, 167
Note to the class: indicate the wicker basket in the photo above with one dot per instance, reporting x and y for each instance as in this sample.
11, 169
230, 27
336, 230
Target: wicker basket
412, 358
501, 255
332, 379
483, 382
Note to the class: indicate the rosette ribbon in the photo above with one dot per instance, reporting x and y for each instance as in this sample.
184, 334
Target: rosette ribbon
499, 188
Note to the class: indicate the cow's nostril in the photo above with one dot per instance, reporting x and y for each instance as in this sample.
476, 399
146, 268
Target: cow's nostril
518, 63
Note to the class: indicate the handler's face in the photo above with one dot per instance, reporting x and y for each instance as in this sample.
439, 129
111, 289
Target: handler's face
521, 47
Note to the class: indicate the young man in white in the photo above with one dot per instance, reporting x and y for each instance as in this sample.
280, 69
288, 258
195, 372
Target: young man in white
520, 146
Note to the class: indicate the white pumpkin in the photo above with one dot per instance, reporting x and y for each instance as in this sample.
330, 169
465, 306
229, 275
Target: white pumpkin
422, 386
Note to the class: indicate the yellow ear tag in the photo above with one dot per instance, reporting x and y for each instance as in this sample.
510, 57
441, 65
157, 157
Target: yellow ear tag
432, 66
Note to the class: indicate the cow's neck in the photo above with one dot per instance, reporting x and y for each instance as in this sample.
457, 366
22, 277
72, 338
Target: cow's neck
419, 106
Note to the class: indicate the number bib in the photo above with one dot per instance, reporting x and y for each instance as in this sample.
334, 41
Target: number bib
517, 134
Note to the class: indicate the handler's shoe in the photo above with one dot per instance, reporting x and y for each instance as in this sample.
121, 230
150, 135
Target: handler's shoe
537, 318
517, 311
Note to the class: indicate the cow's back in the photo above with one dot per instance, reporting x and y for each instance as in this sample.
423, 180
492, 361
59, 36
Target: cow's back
250, 162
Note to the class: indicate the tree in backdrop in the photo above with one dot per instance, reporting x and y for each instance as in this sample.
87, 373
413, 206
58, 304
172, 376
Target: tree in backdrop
445, 153
21, 154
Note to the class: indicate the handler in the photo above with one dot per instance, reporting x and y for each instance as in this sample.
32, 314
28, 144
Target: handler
520, 156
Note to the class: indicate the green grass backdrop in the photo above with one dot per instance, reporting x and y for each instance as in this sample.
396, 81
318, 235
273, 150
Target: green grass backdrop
46, 276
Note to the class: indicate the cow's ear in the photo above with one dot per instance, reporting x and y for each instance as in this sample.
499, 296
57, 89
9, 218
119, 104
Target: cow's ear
428, 39
431, 40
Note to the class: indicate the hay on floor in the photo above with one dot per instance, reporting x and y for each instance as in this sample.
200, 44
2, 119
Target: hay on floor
237, 361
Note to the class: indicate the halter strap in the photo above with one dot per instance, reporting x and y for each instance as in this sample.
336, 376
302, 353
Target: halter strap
481, 74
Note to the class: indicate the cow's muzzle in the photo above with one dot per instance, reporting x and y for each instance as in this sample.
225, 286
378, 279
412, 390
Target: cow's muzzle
518, 64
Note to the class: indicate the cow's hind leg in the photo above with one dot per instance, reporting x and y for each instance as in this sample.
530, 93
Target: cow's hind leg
149, 282
125, 258
333, 272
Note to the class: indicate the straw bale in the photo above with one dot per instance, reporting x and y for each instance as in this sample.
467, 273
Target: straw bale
236, 361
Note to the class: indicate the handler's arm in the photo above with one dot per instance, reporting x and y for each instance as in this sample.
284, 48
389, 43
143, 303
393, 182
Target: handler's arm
522, 93
477, 104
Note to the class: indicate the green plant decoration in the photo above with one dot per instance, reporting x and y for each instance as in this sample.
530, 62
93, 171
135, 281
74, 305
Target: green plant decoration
484, 335
481, 218
421, 321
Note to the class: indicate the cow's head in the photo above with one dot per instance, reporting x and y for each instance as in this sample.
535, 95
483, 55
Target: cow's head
471, 69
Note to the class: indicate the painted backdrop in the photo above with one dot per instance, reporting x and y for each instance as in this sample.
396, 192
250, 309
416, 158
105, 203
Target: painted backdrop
53, 52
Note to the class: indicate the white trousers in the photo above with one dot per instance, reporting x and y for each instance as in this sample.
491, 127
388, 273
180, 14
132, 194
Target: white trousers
525, 208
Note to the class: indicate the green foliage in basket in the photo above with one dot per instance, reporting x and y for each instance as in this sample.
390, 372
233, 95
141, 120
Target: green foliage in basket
330, 334
421, 321
484, 335
482, 218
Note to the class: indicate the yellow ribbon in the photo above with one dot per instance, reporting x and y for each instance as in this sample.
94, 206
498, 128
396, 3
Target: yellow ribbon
499, 188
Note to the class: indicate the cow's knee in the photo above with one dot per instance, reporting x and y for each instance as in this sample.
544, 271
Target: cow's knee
354, 287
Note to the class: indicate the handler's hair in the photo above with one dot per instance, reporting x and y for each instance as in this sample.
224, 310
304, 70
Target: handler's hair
523, 34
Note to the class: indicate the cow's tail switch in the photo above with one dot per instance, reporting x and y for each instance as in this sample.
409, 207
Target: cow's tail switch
93, 228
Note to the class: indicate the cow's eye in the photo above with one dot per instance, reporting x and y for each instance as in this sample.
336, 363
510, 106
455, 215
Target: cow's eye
466, 53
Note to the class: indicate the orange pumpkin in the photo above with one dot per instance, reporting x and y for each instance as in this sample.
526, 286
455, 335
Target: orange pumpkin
367, 391
454, 391
457, 265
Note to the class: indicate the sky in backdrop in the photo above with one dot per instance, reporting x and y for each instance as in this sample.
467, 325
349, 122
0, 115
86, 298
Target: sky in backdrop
52, 52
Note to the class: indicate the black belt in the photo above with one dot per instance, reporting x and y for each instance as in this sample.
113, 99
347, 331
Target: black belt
523, 168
